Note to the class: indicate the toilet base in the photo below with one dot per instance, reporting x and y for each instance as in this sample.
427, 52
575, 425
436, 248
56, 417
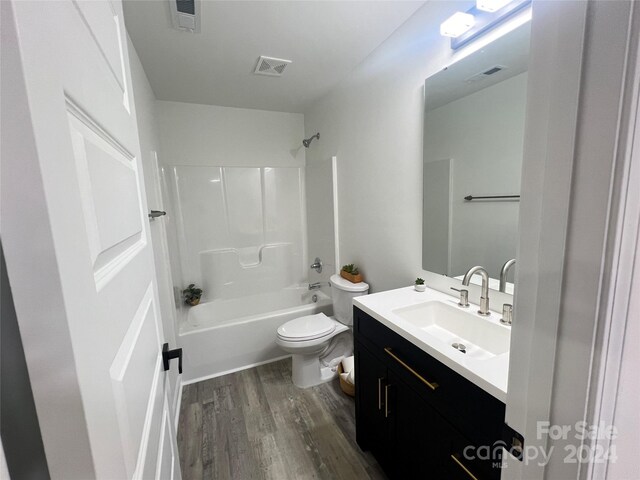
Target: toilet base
306, 371
311, 359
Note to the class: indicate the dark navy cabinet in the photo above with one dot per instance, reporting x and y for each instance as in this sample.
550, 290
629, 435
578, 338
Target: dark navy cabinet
419, 418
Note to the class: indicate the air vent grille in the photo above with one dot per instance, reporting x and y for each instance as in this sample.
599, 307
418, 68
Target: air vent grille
185, 15
273, 67
186, 6
486, 73
493, 70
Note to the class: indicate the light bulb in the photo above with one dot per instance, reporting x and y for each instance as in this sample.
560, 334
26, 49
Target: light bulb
457, 24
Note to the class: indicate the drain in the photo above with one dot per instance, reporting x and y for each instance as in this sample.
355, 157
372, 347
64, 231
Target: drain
460, 347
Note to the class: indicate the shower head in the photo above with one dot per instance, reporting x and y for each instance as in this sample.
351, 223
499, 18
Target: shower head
307, 141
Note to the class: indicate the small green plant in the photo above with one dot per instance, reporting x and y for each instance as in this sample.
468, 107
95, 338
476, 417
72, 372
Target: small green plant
419, 281
351, 269
192, 294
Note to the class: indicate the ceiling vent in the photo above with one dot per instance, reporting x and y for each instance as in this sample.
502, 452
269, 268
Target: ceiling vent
185, 15
487, 73
274, 67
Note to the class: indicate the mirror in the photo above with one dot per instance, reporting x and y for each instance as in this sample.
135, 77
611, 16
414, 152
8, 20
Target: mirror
473, 139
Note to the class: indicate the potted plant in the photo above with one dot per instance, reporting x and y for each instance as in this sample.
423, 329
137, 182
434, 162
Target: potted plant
351, 273
192, 295
419, 285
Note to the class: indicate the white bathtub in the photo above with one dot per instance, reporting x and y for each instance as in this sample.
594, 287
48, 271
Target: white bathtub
228, 335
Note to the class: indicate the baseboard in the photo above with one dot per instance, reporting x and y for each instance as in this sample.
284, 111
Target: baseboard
233, 370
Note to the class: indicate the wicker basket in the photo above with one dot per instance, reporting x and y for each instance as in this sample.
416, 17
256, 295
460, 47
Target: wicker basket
346, 386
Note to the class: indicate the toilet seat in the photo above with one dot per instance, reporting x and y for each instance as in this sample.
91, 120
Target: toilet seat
305, 328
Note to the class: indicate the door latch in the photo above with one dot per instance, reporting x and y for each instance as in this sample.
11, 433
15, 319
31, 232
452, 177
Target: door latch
171, 354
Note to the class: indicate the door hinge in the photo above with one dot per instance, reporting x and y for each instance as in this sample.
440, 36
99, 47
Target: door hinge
513, 441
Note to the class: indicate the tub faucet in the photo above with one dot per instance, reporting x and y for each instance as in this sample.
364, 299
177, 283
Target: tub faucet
315, 286
503, 274
484, 295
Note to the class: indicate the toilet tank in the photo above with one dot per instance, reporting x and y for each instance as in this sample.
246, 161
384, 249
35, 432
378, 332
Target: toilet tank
342, 293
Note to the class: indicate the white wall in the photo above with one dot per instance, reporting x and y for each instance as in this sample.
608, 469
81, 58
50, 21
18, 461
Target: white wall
193, 134
483, 134
627, 415
577, 101
320, 223
373, 122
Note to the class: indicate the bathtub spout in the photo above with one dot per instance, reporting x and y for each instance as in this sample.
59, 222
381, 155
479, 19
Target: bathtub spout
317, 285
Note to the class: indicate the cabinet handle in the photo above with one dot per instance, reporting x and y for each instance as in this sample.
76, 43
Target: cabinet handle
380, 392
431, 385
386, 401
466, 470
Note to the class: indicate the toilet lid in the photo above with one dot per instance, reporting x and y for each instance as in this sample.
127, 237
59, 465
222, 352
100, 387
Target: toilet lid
307, 328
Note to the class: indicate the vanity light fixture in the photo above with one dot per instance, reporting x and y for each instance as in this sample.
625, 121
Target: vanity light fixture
457, 24
491, 5
487, 14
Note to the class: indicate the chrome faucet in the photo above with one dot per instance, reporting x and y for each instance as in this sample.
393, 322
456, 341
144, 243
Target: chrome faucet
503, 273
484, 295
317, 285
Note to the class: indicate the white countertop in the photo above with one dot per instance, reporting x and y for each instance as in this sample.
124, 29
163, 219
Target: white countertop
489, 374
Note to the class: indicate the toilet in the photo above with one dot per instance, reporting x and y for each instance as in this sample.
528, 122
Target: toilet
316, 340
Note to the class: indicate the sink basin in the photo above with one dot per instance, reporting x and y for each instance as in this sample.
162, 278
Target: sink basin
478, 337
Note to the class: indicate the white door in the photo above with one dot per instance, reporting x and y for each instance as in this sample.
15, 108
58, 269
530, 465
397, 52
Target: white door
80, 262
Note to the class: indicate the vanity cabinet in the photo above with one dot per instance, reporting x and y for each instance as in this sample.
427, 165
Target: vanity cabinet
416, 415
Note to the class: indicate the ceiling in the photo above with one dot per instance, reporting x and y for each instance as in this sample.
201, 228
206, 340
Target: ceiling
325, 40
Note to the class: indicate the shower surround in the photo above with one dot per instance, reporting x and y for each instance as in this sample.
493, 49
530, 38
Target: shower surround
241, 230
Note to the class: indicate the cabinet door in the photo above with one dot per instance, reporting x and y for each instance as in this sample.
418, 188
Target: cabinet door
465, 461
416, 433
371, 410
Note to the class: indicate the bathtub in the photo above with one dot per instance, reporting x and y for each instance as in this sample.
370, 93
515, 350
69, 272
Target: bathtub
227, 335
